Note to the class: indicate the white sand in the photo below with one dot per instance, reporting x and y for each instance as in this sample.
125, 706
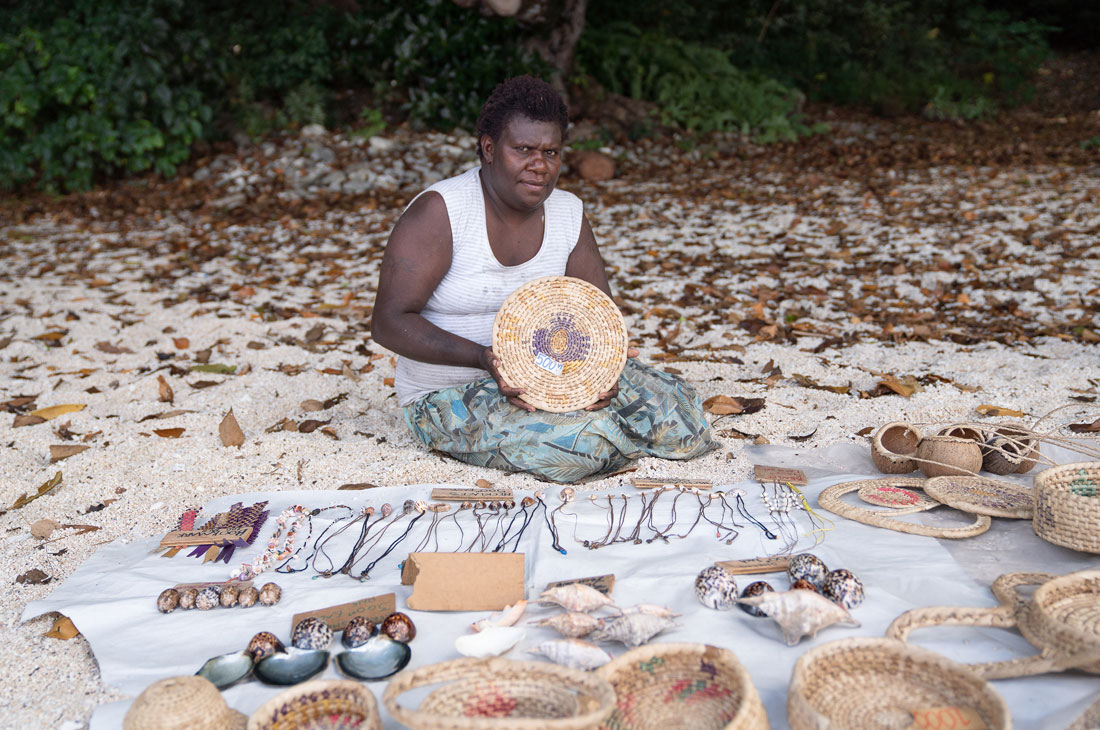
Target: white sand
130, 289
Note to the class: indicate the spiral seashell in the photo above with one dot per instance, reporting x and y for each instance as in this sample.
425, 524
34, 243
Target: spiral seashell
809, 567
800, 613
576, 597
229, 596
208, 598
573, 625
893, 447
573, 653
187, 598
168, 600
247, 597
270, 594
949, 456
632, 629
399, 627
311, 633
716, 588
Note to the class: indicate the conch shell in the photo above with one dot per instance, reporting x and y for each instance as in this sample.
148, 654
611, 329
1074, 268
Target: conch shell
633, 629
507, 617
493, 641
651, 610
573, 653
576, 597
574, 624
800, 613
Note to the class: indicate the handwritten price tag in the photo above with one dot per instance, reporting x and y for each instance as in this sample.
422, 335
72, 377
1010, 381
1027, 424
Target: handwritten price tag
948, 718
549, 364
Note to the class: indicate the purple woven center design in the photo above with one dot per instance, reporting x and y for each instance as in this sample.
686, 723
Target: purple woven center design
561, 341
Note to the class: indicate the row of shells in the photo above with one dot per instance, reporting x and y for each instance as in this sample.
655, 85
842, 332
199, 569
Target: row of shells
214, 596
900, 448
716, 587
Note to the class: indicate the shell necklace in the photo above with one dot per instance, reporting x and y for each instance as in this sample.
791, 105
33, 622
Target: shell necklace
281, 544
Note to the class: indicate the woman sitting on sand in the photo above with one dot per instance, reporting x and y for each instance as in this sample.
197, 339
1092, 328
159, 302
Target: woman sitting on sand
457, 252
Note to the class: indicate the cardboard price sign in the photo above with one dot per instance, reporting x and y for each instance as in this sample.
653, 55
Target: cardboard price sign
376, 609
755, 565
463, 581
778, 474
602, 583
494, 494
651, 483
183, 538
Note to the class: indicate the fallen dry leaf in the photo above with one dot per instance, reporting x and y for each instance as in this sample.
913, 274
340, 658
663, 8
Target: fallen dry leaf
807, 382
44, 528
330, 432
357, 485
230, 432
904, 386
64, 451
164, 414
181, 343
164, 390
59, 410
484, 483
33, 576
45, 488
311, 405
998, 411
311, 425
169, 433
722, 405
25, 419
62, 628
1093, 427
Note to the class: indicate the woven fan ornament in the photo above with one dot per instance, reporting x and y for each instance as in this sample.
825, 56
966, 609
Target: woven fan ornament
562, 340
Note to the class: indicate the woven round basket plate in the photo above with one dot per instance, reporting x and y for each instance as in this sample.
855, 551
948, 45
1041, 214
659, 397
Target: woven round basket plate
830, 499
983, 496
562, 340
318, 705
898, 494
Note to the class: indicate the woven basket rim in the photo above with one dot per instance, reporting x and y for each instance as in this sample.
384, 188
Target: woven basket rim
1062, 516
829, 499
588, 683
360, 690
592, 316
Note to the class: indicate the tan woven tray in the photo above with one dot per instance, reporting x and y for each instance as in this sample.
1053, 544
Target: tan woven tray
898, 494
880, 683
322, 703
1067, 506
829, 499
983, 496
562, 340
1062, 620
495, 694
695, 686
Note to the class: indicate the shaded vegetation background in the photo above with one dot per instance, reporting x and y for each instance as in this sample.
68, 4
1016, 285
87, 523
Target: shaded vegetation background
94, 89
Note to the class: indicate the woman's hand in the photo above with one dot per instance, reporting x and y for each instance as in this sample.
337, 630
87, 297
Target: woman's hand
491, 363
603, 400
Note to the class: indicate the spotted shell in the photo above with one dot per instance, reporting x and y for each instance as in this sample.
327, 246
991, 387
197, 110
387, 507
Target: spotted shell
187, 598
716, 588
311, 633
804, 585
807, 566
754, 589
263, 645
843, 588
247, 597
358, 631
208, 598
230, 595
270, 594
399, 627
168, 600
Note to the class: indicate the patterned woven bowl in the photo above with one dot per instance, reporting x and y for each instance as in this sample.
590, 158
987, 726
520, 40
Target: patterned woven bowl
319, 705
1067, 506
499, 694
880, 683
664, 686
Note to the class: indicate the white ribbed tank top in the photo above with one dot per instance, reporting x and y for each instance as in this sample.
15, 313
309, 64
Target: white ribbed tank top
467, 299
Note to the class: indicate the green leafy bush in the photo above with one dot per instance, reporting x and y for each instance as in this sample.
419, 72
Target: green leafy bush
97, 91
696, 87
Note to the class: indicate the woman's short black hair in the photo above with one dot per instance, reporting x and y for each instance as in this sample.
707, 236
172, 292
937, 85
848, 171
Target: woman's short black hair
524, 96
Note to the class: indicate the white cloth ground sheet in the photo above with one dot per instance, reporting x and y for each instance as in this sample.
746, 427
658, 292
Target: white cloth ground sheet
111, 598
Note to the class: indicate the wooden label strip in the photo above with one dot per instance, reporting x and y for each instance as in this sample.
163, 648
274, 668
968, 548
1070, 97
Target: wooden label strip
375, 608
651, 483
183, 538
602, 583
779, 474
493, 494
220, 584
777, 564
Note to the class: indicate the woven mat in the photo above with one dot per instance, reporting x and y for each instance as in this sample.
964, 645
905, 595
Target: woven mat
898, 494
830, 500
984, 496
562, 340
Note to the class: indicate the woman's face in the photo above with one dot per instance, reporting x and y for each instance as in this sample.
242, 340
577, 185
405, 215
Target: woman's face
524, 162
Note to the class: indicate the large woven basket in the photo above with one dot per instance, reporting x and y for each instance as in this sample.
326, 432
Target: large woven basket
1067, 506
494, 694
880, 683
562, 340
319, 705
1062, 620
690, 686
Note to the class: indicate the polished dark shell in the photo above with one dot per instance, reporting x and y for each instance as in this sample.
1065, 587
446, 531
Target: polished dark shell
168, 600
228, 669
358, 630
399, 627
263, 645
292, 666
804, 585
377, 658
755, 589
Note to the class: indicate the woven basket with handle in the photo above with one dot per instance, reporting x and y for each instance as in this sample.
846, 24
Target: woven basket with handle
1062, 620
1067, 506
879, 683
494, 694
668, 686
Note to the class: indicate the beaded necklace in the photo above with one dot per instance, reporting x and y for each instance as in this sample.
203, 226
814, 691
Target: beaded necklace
281, 544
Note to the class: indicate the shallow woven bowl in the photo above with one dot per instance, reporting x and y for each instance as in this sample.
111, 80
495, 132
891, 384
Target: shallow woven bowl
690, 686
499, 694
319, 705
562, 340
1063, 618
879, 683
1067, 506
